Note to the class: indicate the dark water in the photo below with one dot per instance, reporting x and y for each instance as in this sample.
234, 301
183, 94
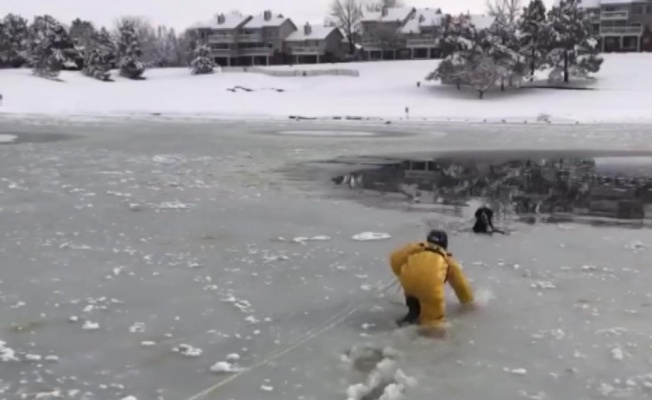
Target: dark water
597, 186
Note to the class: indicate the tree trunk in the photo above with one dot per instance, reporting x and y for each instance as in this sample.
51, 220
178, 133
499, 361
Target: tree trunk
351, 45
565, 66
481, 94
457, 83
502, 84
532, 64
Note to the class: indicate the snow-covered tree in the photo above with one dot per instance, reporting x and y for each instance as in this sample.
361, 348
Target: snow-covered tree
458, 39
534, 36
50, 48
129, 52
82, 33
501, 42
573, 45
104, 42
14, 42
203, 63
97, 65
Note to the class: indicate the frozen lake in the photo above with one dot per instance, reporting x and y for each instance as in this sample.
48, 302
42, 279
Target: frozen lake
139, 258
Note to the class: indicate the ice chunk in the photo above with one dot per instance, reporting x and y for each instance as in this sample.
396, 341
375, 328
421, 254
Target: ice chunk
147, 343
33, 357
617, 354
233, 357
518, 371
225, 367
393, 391
266, 388
7, 354
188, 350
367, 236
90, 326
137, 327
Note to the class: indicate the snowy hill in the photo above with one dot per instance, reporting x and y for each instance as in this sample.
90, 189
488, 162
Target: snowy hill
623, 93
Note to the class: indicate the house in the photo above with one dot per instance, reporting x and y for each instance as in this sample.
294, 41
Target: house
315, 44
422, 33
263, 37
623, 25
381, 32
235, 39
221, 35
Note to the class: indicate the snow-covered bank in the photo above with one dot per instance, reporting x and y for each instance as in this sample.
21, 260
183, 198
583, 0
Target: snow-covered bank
623, 92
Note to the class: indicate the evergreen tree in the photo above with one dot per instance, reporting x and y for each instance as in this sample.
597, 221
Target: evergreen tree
14, 37
501, 42
83, 34
573, 46
97, 65
203, 63
129, 52
534, 36
458, 38
50, 47
104, 42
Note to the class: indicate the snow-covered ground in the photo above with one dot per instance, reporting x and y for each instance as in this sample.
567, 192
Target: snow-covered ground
188, 261
384, 89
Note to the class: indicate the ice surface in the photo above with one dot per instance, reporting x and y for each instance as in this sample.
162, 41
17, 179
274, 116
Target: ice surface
306, 299
383, 90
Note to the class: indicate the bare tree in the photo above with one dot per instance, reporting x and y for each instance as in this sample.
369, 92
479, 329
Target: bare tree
508, 11
347, 15
378, 5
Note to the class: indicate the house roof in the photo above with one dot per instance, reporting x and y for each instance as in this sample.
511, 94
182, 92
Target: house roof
258, 21
598, 3
393, 14
231, 21
424, 17
317, 33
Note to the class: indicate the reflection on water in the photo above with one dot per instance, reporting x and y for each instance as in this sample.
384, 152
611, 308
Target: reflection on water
613, 187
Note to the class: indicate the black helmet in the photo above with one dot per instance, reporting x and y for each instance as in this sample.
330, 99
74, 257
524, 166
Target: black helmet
439, 238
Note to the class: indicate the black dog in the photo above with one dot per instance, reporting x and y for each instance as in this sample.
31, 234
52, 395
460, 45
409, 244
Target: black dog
484, 221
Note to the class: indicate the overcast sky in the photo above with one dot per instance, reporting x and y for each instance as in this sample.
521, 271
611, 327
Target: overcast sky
182, 13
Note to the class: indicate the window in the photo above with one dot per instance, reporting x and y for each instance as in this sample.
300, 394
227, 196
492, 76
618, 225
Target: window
637, 10
648, 9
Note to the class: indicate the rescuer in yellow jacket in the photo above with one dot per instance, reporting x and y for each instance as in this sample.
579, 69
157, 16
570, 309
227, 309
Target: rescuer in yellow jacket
423, 268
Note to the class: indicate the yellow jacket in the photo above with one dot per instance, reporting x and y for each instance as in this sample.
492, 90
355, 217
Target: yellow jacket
424, 268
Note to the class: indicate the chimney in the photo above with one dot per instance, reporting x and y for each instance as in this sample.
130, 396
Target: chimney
384, 11
221, 19
307, 29
267, 15
421, 18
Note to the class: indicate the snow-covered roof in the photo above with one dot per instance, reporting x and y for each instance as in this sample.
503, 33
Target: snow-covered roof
590, 3
316, 33
259, 21
482, 21
424, 17
599, 3
393, 14
229, 21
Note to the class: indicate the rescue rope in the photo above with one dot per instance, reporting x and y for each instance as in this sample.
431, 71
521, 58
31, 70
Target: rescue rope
330, 323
